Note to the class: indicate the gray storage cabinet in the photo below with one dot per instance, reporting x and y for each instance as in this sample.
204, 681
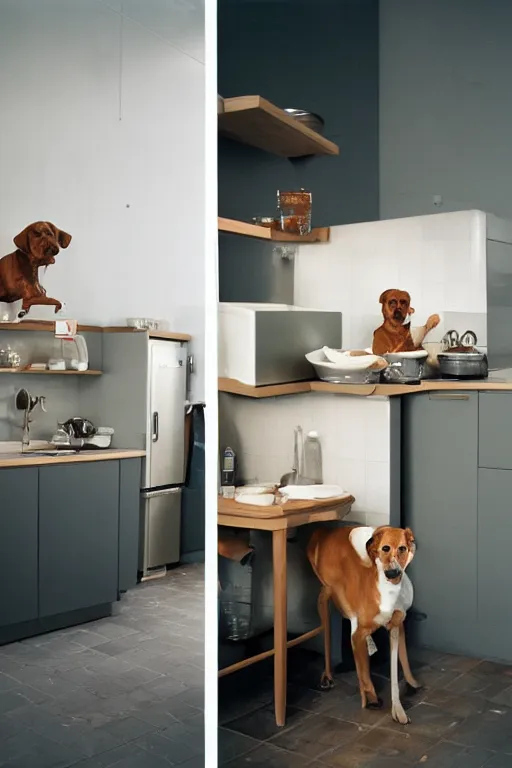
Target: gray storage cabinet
495, 430
494, 579
68, 543
440, 504
457, 494
18, 545
78, 536
129, 513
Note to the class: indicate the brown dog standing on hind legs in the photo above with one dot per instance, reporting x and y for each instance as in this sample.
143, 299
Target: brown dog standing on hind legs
37, 245
362, 569
393, 335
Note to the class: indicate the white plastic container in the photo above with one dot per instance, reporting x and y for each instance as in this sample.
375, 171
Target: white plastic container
313, 458
266, 343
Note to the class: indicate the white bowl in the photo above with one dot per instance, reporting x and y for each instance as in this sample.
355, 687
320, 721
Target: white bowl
327, 371
342, 360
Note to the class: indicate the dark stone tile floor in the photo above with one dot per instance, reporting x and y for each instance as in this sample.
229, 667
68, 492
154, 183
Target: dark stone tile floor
125, 691
462, 718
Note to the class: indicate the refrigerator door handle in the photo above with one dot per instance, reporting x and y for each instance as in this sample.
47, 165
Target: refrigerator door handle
155, 427
160, 492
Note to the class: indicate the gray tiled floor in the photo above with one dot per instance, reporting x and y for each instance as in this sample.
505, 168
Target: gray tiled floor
125, 691
462, 718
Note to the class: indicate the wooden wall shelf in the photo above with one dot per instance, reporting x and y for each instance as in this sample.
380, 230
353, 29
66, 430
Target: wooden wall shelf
318, 235
49, 327
255, 121
23, 371
167, 335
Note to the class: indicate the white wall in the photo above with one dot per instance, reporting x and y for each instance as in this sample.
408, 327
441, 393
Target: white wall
102, 133
445, 106
439, 259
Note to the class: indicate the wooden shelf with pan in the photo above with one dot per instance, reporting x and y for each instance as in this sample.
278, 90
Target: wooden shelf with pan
257, 122
234, 387
317, 235
36, 371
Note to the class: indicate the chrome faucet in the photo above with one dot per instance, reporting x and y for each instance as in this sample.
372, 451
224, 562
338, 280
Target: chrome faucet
26, 402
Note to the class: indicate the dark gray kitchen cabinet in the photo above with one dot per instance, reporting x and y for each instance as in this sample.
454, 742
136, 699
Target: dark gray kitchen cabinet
129, 522
494, 581
495, 434
78, 536
18, 545
439, 503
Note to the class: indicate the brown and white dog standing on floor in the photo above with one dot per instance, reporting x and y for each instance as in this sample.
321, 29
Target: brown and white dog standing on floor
362, 569
37, 245
393, 335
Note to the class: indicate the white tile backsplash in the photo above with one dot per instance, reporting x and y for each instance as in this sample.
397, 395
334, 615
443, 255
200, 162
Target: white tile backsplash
377, 487
376, 430
440, 260
354, 434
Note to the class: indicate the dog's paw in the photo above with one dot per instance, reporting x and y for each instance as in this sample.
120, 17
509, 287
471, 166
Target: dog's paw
374, 704
326, 683
411, 690
432, 322
399, 715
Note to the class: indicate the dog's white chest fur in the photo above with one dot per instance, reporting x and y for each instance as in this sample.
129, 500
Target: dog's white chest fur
393, 597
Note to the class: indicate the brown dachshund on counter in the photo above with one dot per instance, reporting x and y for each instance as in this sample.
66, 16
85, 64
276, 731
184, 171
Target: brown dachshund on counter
37, 247
393, 335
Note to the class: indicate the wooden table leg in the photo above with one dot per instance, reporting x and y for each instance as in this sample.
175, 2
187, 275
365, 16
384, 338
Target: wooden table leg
280, 633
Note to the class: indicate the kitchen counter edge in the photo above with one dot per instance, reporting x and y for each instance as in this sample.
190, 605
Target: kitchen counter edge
26, 460
231, 386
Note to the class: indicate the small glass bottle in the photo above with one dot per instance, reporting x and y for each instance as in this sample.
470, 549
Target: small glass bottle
313, 458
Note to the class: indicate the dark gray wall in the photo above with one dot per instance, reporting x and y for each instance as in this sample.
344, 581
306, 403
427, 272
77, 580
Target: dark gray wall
445, 106
320, 55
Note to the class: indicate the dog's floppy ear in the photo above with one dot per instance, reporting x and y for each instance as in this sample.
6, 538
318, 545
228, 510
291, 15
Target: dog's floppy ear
21, 240
384, 296
62, 237
411, 545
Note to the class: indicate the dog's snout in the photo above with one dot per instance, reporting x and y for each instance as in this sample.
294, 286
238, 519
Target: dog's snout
392, 573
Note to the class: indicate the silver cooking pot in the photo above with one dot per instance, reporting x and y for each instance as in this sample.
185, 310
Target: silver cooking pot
463, 365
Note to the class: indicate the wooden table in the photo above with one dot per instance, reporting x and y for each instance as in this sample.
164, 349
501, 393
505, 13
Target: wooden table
278, 518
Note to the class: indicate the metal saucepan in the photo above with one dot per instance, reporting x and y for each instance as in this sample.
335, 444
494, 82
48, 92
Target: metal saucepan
463, 365
460, 358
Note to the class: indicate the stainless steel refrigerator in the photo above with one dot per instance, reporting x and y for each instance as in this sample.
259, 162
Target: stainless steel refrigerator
164, 465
